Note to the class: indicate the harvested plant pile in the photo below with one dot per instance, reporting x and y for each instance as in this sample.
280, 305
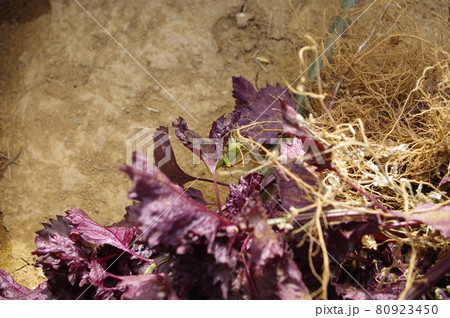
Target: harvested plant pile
343, 196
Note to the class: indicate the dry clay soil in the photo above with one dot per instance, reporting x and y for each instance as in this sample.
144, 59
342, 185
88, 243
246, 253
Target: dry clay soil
71, 94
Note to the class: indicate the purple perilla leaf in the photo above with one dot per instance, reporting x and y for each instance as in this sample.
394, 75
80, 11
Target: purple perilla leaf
290, 193
314, 149
291, 149
208, 150
165, 157
196, 195
159, 200
389, 292
57, 250
94, 233
136, 287
147, 287
240, 193
73, 252
197, 238
65, 262
10, 289
272, 271
444, 185
431, 214
166, 161
260, 107
221, 127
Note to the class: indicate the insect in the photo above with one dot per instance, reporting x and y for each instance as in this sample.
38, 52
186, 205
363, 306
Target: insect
234, 148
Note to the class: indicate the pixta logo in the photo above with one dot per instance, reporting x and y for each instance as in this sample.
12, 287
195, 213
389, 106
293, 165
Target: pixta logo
145, 141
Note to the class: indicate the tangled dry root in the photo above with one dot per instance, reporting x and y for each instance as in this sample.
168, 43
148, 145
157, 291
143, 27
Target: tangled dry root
387, 89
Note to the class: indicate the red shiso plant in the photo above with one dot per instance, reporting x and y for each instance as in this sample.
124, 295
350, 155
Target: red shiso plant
277, 236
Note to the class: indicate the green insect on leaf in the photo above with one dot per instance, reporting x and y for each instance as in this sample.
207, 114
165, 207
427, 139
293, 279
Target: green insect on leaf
229, 155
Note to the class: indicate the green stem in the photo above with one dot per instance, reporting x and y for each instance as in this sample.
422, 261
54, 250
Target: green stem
155, 264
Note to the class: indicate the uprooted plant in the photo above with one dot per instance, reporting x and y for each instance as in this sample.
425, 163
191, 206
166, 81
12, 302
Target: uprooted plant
342, 201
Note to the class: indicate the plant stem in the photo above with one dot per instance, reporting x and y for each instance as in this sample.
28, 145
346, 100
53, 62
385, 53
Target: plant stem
156, 264
268, 181
212, 181
216, 188
249, 278
247, 271
431, 278
140, 257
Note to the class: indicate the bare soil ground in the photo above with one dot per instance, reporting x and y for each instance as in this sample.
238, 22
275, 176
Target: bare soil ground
71, 95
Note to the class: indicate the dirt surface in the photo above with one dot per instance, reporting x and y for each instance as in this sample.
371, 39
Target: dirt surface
71, 95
